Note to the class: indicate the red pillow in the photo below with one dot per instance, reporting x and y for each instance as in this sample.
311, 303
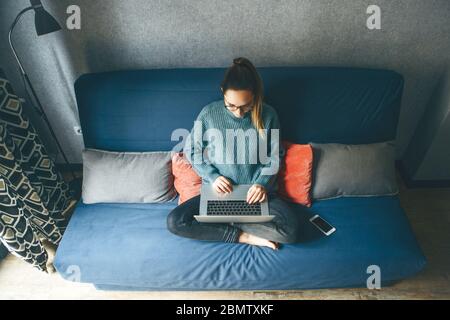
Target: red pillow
187, 182
295, 175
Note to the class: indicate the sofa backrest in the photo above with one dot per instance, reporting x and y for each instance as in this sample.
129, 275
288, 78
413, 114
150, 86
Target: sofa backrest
139, 110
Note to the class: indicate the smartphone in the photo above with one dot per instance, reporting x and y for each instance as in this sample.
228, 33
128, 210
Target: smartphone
322, 225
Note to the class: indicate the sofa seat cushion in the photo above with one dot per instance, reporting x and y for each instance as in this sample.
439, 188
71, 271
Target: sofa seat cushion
128, 246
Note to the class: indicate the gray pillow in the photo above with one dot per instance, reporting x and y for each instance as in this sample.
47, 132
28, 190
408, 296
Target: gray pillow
127, 177
354, 170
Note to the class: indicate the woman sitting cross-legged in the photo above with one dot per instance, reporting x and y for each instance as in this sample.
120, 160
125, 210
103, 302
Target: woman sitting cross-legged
242, 108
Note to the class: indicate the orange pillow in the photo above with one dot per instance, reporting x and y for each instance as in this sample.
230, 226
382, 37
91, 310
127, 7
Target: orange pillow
187, 182
295, 175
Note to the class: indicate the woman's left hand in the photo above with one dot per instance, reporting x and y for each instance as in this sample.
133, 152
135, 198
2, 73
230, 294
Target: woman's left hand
256, 193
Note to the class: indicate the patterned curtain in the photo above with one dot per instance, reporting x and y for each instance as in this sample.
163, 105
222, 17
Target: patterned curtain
33, 194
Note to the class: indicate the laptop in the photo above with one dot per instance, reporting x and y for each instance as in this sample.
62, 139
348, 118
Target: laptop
232, 207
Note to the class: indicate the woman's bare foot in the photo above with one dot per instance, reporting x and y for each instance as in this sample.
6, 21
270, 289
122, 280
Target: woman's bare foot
257, 241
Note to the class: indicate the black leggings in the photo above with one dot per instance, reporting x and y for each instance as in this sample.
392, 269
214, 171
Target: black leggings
284, 228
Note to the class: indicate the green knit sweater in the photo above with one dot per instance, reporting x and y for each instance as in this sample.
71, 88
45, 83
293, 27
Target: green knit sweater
221, 144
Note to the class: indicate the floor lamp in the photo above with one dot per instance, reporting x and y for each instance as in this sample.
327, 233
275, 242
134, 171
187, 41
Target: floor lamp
44, 24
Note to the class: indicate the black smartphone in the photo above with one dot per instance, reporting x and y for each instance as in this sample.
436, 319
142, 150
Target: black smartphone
322, 225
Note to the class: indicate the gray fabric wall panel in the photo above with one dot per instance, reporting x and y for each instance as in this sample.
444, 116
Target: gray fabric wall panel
435, 164
428, 154
133, 34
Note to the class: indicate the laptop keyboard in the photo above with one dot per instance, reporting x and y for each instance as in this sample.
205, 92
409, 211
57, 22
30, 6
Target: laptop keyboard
233, 208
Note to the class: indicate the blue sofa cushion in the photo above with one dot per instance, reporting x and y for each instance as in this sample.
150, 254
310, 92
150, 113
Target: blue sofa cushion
323, 105
129, 246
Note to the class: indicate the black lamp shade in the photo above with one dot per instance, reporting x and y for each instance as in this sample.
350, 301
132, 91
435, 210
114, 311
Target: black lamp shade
44, 22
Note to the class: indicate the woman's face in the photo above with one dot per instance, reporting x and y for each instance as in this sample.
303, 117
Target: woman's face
239, 102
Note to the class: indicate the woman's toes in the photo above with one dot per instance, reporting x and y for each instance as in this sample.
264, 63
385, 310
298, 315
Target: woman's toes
272, 245
254, 240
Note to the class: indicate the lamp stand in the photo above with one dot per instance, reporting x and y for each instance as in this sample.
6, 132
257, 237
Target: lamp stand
29, 88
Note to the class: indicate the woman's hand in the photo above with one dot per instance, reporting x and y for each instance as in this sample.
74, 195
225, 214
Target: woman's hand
222, 185
256, 193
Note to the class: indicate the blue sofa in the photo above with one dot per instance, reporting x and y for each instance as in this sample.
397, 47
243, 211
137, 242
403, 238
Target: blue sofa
128, 247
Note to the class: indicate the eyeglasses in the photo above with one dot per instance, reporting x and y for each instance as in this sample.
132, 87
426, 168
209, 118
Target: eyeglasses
232, 107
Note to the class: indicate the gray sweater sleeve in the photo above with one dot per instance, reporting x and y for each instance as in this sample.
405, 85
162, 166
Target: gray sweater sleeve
194, 151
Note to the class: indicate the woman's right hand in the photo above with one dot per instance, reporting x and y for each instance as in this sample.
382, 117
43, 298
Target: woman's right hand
222, 185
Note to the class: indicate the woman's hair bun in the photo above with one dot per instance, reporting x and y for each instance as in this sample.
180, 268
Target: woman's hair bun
240, 61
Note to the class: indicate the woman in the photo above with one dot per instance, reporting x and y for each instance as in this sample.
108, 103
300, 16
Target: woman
241, 110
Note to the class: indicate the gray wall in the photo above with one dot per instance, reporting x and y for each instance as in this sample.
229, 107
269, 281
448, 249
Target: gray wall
428, 154
132, 34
